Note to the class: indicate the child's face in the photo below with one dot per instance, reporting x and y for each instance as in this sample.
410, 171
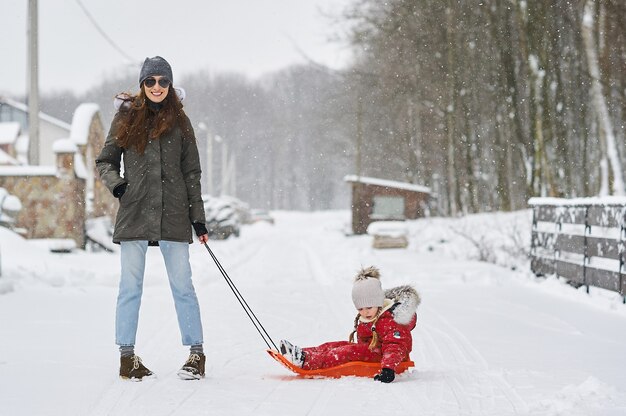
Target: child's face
368, 313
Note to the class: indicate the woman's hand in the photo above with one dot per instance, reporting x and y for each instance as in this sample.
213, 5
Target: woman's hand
201, 231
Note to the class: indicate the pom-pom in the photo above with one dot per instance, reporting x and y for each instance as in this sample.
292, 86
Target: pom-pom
371, 272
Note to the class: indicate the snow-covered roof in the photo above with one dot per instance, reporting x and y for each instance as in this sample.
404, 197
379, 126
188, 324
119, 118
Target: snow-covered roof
81, 121
605, 200
387, 183
42, 116
64, 146
9, 131
27, 170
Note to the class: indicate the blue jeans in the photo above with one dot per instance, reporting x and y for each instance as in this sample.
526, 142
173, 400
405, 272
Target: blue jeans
176, 256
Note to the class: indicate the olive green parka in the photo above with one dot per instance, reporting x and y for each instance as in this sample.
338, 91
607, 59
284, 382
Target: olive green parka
163, 195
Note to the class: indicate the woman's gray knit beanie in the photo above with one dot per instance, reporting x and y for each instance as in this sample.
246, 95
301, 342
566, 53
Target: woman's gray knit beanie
155, 66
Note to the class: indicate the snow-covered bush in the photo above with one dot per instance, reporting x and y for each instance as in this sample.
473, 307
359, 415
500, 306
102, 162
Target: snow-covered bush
10, 206
502, 238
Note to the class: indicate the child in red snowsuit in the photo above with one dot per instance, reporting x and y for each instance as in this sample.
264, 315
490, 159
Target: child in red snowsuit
382, 327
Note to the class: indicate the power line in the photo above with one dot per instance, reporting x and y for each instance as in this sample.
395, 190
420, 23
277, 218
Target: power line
103, 33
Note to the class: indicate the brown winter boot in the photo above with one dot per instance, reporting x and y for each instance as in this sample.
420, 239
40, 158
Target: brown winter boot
131, 368
193, 369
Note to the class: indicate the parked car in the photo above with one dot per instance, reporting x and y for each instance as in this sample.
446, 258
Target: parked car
260, 215
241, 208
222, 218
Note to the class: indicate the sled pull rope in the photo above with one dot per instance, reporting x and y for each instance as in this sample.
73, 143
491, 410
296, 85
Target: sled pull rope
242, 301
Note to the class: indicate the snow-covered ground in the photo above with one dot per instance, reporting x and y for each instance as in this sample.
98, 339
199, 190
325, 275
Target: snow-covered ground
491, 340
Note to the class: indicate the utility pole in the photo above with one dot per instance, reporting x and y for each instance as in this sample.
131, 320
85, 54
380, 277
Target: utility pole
359, 135
33, 90
225, 177
208, 169
231, 174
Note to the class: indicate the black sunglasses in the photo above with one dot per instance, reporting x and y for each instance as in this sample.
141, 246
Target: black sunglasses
151, 82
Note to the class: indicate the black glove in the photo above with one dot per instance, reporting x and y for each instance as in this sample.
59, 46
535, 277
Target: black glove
199, 228
386, 375
119, 190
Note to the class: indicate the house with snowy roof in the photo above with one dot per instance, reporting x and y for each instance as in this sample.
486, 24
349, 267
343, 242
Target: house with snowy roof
375, 199
14, 114
9, 133
61, 193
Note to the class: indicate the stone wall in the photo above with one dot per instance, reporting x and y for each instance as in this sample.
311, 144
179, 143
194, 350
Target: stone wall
52, 203
54, 198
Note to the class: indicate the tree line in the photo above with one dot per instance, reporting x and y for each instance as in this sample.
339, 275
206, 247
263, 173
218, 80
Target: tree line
494, 102
488, 103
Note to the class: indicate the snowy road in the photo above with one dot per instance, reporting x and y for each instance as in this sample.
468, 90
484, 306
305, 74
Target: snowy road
489, 341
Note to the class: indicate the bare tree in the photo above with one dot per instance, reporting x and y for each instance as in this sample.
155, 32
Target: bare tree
604, 118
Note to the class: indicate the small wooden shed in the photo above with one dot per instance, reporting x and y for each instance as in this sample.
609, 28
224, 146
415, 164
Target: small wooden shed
384, 200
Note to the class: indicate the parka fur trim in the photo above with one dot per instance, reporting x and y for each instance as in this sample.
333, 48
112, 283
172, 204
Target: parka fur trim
407, 299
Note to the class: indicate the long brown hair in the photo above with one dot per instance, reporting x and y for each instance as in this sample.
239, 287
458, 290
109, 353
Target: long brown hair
139, 124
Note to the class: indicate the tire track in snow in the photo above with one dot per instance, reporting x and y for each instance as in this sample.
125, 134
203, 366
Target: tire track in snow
316, 269
435, 387
460, 371
265, 399
229, 258
448, 365
118, 398
476, 372
401, 390
313, 396
519, 405
331, 299
465, 377
460, 374
320, 405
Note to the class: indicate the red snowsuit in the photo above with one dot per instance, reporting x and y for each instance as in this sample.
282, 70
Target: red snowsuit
393, 347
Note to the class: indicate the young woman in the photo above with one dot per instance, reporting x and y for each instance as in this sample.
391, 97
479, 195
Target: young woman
159, 202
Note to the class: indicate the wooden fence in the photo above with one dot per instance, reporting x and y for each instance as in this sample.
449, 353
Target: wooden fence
581, 242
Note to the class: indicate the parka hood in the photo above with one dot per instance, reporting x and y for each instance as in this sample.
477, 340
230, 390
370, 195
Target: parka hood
406, 299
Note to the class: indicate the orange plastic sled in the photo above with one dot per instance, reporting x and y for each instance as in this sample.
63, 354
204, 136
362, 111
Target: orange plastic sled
353, 368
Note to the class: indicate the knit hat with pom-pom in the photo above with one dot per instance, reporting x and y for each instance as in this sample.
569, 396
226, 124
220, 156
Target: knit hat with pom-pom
367, 291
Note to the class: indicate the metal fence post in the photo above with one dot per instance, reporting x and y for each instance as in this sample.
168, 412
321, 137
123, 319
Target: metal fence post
586, 249
622, 241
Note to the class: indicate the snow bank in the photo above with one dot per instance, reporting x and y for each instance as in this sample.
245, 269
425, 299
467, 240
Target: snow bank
388, 228
587, 398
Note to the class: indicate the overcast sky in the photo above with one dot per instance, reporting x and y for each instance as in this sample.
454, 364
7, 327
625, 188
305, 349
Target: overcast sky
247, 36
